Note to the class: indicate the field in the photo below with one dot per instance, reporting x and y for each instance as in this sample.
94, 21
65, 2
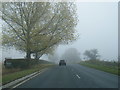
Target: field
111, 67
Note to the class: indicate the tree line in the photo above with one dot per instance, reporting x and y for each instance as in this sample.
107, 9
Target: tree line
72, 55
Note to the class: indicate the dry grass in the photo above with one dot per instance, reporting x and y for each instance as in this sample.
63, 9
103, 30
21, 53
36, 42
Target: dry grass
7, 71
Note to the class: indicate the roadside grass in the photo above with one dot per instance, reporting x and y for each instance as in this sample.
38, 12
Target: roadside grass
110, 67
0, 73
6, 78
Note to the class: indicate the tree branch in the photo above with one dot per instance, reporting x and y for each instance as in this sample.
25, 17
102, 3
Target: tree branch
13, 29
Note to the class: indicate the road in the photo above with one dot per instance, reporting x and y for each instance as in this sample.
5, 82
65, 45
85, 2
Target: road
72, 76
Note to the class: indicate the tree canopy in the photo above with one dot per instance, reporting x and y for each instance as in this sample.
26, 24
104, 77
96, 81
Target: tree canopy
36, 27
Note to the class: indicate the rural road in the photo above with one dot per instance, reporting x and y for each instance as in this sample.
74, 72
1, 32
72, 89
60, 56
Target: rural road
72, 76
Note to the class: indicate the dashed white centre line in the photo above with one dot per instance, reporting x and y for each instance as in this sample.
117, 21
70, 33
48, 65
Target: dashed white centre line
78, 76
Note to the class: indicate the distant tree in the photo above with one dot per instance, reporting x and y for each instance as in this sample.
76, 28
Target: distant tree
54, 57
71, 55
92, 54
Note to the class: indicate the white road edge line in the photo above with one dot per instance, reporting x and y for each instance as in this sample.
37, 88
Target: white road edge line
78, 76
26, 80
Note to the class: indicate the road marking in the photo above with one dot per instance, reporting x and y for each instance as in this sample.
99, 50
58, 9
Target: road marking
27, 79
78, 76
21, 83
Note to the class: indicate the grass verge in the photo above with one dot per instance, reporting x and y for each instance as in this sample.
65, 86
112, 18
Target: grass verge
13, 76
102, 67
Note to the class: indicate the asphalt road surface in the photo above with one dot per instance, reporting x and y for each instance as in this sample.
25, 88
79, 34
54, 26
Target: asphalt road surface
72, 76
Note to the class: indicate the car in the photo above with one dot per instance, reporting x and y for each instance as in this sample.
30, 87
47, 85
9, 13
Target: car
62, 63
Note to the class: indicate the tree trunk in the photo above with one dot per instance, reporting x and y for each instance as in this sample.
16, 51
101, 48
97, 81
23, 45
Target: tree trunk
36, 56
28, 55
40, 56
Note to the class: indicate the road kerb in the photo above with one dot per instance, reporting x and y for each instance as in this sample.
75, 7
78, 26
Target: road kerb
17, 81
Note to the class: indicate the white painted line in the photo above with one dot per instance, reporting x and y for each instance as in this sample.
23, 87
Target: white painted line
78, 76
20, 83
27, 79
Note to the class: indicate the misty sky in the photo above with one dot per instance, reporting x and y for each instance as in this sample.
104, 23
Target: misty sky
97, 28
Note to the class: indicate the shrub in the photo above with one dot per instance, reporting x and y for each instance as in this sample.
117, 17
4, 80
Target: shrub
19, 63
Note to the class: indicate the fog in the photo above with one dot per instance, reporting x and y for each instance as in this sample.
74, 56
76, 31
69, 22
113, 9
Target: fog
97, 29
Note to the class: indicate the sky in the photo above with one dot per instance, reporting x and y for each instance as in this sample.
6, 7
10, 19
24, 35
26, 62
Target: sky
97, 28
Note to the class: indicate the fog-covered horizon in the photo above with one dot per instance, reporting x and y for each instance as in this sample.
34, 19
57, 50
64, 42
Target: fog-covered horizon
97, 29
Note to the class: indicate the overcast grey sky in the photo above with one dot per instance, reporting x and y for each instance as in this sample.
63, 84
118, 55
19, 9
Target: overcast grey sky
97, 27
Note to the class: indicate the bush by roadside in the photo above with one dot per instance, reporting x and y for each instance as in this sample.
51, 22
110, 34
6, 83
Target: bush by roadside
20, 63
18, 66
